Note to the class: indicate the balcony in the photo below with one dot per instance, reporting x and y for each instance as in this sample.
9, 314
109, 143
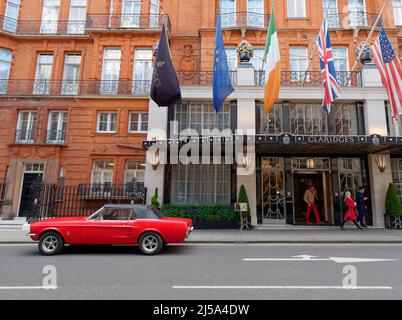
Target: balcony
24, 136
41, 28
201, 78
311, 78
71, 88
245, 20
105, 22
56, 137
354, 19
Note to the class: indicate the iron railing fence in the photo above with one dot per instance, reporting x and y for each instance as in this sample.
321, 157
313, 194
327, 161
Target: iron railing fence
127, 21
311, 78
55, 136
24, 136
201, 78
52, 200
245, 20
354, 19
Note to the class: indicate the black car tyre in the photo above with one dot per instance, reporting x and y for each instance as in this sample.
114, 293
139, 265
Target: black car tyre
50, 243
150, 243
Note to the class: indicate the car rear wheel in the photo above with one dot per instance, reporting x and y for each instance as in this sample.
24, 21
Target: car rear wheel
50, 244
150, 243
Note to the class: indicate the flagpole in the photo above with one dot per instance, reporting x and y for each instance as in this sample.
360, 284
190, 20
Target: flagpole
367, 40
315, 45
265, 58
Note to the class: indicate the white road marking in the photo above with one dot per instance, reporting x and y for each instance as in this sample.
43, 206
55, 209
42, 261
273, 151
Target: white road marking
288, 287
28, 288
304, 258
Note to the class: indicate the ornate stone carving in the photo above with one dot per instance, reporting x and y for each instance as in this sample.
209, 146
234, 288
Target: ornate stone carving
188, 64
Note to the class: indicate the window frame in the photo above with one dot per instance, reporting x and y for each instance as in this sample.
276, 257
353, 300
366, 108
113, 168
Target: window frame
68, 83
44, 84
7, 63
397, 8
140, 168
29, 136
62, 122
114, 83
50, 25
77, 26
108, 123
293, 5
102, 171
139, 121
14, 20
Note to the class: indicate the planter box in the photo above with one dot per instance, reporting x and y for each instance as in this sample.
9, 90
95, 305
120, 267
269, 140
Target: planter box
216, 224
393, 222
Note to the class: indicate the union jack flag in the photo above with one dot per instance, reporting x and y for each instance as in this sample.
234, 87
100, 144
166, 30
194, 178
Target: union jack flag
331, 86
390, 69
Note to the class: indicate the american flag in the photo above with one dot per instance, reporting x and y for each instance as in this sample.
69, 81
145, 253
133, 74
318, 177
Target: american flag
331, 86
390, 70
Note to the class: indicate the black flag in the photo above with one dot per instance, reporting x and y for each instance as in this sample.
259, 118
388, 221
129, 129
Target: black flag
165, 88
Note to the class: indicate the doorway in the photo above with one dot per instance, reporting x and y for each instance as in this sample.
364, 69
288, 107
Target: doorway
33, 174
301, 183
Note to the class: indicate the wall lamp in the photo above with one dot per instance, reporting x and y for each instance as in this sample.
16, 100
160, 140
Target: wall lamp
246, 159
153, 159
381, 162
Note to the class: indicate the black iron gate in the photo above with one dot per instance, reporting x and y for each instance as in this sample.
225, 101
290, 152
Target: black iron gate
52, 200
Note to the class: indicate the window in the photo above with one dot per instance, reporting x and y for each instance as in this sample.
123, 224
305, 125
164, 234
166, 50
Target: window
231, 57
111, 71
77, 18
307, 120
11, 16
135, 171
345, 119
350, 175
298, 63
138, 122
255, 13
154, 14
396, 166
71, 74
26, 127
50, 16
199, 116
228, 13
341, 63
142, 71
333, 16
357, 13
296, 8
131, 10
114, 214
201, 184
397, 12
272, 123
107, 122
102, 173
56, 127
43, 74
5, 66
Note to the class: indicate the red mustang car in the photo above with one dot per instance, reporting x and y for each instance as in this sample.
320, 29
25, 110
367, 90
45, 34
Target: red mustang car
112, 225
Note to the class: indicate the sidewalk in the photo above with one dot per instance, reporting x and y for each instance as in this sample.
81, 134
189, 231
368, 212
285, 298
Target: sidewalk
288, 234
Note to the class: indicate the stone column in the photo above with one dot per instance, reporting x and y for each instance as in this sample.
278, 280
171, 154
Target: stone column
158, 121
246, 121
378, 186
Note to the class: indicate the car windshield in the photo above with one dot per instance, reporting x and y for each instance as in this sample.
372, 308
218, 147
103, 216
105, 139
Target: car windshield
95, 215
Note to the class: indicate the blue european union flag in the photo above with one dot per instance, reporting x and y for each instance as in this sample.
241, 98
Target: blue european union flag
222, 85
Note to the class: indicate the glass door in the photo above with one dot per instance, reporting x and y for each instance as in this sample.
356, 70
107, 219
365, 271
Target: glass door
11, 16
131, 10
50, 16
228, 14
255, 13
357, 13
331, 7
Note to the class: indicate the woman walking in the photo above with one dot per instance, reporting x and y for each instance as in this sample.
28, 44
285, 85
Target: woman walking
351, 213
361, 206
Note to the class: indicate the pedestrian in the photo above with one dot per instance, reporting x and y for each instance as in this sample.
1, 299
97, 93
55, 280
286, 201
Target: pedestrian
351, 212
310, 196
361, 206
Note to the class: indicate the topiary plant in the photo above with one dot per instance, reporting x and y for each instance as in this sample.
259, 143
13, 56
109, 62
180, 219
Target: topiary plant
393, 203
242, 198
154, 199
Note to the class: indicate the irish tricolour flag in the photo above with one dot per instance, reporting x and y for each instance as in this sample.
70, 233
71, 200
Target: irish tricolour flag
272, 66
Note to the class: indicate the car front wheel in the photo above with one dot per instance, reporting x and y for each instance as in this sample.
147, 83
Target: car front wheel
50, 244
150, 243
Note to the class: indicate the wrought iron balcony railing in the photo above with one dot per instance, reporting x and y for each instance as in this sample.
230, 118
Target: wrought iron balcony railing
101, 191
126, 21
38, 27
353, 19
201, 78
24, 136
55, 136
311, 78
249, 20
67, 88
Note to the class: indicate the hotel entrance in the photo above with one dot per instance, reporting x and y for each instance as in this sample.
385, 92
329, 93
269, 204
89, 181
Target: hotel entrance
312, 172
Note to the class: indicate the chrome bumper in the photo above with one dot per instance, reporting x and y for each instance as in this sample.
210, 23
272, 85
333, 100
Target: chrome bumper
189, 231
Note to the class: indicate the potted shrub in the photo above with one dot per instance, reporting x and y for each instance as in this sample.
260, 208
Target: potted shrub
393, 209
242, 198
245, 51
154, 199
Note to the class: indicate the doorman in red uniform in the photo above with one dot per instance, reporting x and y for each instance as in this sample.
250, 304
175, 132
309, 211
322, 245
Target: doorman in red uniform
310, 196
